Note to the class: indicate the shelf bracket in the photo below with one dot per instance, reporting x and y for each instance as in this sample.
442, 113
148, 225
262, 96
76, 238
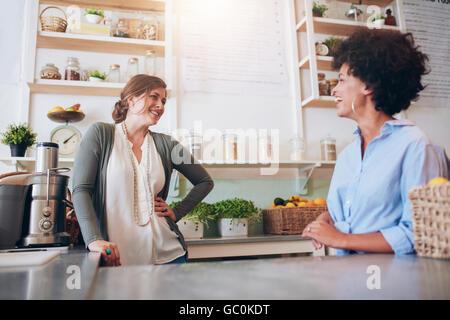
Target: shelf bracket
301, 187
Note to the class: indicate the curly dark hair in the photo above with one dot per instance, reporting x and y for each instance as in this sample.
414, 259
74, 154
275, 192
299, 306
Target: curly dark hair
388, 62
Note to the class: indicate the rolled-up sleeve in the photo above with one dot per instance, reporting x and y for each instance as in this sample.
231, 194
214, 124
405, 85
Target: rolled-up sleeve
423, 163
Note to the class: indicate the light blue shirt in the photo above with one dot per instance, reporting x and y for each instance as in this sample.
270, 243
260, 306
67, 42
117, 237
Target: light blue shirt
371, 194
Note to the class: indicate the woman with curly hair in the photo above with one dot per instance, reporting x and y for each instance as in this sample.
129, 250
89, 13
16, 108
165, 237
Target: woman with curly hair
368, 208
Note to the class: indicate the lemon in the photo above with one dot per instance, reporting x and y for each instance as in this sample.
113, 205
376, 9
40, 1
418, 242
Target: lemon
320, 201
438, 180
56, 109
290, 205
301, 204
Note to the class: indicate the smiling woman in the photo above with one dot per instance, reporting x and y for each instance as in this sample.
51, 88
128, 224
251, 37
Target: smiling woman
380, 74
121, 180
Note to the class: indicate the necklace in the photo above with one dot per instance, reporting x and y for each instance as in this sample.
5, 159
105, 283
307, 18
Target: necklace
148, 191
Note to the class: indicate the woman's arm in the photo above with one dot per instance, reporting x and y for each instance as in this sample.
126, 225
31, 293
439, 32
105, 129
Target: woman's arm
328, 235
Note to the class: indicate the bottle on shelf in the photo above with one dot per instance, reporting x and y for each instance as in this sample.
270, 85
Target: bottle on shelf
150, 63
73, 69
132, 68
114, 73
328, 148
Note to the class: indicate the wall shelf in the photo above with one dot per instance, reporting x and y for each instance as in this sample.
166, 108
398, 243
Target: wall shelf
108, 89
380, 3
338, 27
140, 5
323, 63
321, 102
69, 41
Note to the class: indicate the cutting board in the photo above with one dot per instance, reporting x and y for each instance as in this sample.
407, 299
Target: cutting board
17, 259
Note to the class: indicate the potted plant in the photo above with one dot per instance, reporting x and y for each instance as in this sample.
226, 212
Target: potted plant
94, 15
193, 224
234, 216
319, 10
19, 138
378, 20
96, 76
331, 43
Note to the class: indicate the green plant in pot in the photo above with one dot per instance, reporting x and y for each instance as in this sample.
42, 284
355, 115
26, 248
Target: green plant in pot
19, 137
331, 43
234, 216
94, 15
95, 75
318, 10
192, 225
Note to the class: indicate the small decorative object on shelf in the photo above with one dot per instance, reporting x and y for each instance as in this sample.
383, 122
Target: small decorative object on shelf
114, 73
322, 49
150, 31
72, 69
53, 23
378, 20
50, 71
96, 76
150, 63
390, 19
132, 68
19, 138
323, 87
297, 148
121, 30
328, 148
354, 12
94, 15
318, 10
331, 43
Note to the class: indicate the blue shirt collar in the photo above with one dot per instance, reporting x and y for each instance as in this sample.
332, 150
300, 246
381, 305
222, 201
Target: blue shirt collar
388, 126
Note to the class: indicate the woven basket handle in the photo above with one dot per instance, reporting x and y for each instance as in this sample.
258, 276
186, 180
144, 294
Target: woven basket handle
50, 7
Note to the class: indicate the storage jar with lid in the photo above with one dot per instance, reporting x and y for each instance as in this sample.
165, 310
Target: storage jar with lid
73, 69
150, 63
195, 145
114, 73
230, 147
323, 86
265, 149
121, 30
133, 68
328, 148
297, 149
50, 71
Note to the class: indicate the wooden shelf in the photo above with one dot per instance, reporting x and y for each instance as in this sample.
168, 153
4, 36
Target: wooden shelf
139, 5
380, 3
27, 163
69, 41
323, 63
108, 89
321, 102
338, 27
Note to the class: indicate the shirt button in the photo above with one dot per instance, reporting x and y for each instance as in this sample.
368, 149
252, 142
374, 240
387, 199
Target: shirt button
347, 203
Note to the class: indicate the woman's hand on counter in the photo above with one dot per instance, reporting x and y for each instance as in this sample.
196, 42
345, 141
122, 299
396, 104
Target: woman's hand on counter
162, 209
325, 217
321, 232
111, 259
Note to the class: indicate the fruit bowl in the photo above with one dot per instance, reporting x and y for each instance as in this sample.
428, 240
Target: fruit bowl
66, 116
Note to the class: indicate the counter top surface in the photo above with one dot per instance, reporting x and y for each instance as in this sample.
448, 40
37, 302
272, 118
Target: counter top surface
242, 239
69, 276
330, 277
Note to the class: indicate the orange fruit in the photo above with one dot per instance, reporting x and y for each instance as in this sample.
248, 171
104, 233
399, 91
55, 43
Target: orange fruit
310, 203
320, 201
301, 204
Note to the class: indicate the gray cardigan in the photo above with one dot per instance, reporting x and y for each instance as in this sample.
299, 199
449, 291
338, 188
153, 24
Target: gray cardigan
89, 179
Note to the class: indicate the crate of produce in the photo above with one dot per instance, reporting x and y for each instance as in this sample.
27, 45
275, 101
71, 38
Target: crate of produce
291, 216
430, 208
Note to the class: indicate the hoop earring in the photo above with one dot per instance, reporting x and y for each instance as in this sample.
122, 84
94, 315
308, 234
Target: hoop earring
353, 107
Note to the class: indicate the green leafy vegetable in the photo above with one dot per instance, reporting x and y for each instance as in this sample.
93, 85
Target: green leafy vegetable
97, 74
238, 209
94, 10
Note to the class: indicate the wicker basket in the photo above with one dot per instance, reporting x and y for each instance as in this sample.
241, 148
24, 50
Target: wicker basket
52, 23
289, 220
430, 206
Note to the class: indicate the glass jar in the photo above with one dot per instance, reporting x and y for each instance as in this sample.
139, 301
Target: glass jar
297, 149
328, 148
195, 145
230, 147
265, 149
333, 84
132, 68
150, 31
50, 71
114, 73
150, 63
121, 30
73, 69
323, 87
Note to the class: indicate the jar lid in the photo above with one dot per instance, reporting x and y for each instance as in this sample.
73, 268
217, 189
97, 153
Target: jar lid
148, 52
114, 66
321, 76
133, 60
50, 66
328, 139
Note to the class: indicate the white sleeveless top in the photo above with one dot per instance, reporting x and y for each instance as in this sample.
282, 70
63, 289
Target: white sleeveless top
153, 243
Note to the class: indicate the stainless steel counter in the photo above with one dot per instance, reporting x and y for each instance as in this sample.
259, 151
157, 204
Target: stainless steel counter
68, 276
329, 277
